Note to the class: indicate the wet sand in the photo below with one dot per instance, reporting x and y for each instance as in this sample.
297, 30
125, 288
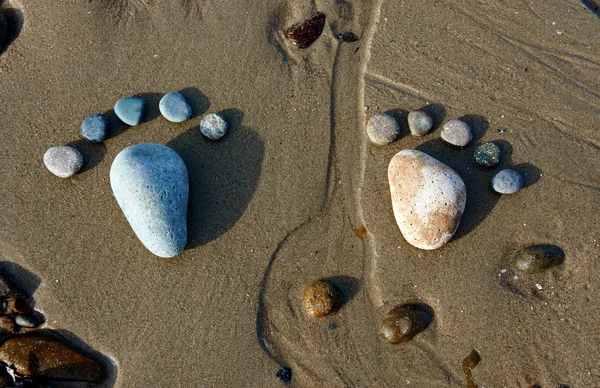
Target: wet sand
274, 204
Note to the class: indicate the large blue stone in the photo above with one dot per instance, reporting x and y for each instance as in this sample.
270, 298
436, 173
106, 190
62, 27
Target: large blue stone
150, 183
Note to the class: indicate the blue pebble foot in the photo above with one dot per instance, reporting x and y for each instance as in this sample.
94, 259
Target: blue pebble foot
150, 184
507, 182
95, 128
130, 110
174, 107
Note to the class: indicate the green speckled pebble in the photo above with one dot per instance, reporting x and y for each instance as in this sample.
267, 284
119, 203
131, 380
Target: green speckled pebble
537, 258
487, 155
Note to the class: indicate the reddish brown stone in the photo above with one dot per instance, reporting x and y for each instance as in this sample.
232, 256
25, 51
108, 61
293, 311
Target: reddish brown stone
305, 33
322, 297
37, 354
7, 325
19, 306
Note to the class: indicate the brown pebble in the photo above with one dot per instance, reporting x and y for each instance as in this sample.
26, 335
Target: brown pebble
7, 325
404, 322
469, 363
305, 33
322, 297
37, 354
361, 232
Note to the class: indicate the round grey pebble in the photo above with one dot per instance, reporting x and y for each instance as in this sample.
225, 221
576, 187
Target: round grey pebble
213, 126
95, 128
457, 133
174, 107
419, 123
27, 321
507, 182
63, 161
487, 155
383, 129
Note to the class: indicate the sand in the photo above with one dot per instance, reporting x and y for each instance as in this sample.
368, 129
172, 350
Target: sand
274, 204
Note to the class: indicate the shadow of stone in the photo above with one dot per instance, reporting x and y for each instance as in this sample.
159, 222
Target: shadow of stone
401, 117
197, 100
115, 125
481, 199
437, 112
109, 367
151, 110
23, 280
223, 176
592, 5
478, 124
349, 285
93, 153
531, 174
11, 24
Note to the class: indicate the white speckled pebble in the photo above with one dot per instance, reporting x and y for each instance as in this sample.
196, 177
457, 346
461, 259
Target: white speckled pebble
507, 182
383, 129
428, 198
213, 126
63, 161
419, 123
457, 132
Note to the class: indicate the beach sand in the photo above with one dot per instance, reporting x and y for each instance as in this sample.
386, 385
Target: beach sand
274, 204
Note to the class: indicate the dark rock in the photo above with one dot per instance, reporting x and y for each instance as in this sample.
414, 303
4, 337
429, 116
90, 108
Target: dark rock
39, 355
4, 30
6, 379
537, 258
404, 322
305, 33
284, 374
322, 297
487, 155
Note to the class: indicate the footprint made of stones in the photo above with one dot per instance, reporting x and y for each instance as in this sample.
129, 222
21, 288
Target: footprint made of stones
30, 354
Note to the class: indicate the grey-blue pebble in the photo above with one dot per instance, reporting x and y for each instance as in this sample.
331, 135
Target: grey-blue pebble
150, 183
95, 128
130, 110
174, 107
507, 182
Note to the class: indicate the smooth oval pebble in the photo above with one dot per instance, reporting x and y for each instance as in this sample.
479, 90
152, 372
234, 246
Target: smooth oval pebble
304, 34
150, 183
428, 198
537, 258
213, 126
94, 128
457, 132
322, 297
174, 107
487, 155
403, 323
383, 129
63, 161
130, 110
507, 182
26, 321
419, 123
39, 355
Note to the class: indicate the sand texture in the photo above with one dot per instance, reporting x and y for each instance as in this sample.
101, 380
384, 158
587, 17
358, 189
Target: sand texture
275, 202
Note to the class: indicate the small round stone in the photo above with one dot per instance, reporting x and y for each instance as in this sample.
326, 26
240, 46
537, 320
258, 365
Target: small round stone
457, 133
322, 297
419, 123
284, 374
537, 258
213, 126
403, 323
507, 182
383, 129
27, 321
95, 128
487, 155
174, 107
63, 161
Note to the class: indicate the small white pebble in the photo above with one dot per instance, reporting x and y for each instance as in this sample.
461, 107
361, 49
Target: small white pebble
539, 286
503, 270
516, 277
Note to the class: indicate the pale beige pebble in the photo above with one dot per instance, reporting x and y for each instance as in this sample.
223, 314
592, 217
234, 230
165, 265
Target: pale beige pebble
428, 198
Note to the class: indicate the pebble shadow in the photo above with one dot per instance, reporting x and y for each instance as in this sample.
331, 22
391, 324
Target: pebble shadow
437, 112
151, 110
12, 26
223, 174
592, 5
22, 280
109, 367
349, 285
93, 153
197, 100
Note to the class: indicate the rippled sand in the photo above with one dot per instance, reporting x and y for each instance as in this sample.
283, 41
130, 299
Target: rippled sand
275, 203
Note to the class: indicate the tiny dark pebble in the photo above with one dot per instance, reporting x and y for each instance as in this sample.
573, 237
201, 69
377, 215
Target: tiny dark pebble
403, 323
487, 155
20, 306
305, 33
332, 326
537, 258
503, 131
347, 37
284, 374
